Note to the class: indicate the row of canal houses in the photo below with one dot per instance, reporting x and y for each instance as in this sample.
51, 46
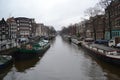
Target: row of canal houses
99, 26
14, 28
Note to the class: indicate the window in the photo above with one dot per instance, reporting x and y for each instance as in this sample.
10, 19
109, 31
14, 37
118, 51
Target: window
3, 36
18, 21
6, 32
118, 34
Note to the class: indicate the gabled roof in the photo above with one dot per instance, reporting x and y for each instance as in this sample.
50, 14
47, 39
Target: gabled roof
3, 21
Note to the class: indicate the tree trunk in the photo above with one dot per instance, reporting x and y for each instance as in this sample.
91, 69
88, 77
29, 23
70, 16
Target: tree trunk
109, 23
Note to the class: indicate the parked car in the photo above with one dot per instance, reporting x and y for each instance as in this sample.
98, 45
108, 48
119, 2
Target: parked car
102, 42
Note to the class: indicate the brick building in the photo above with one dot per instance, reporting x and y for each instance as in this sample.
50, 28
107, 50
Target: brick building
95, 27
112, 12
25, 26
99, 26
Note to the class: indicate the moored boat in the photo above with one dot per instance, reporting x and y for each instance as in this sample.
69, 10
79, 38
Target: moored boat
107, 55
75, 41
32, 50
66, 38
5, 61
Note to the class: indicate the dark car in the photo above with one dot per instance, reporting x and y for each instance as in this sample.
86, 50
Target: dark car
102, 42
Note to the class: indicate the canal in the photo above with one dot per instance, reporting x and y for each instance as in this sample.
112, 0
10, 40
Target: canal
62, 61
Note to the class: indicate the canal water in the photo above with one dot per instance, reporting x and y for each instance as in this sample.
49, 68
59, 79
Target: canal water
62, 61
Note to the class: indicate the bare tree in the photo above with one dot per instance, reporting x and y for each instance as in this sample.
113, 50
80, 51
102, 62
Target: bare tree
98, 10
104, 4
91, 12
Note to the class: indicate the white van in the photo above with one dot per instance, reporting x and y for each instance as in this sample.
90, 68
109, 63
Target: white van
114, 42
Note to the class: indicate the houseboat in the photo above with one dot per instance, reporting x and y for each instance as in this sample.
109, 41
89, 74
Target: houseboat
105, 54
32, 50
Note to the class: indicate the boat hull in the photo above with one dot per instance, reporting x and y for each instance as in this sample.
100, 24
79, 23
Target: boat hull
6, 64
22, 54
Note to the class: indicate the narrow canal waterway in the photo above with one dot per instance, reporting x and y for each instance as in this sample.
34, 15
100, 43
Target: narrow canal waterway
63, 61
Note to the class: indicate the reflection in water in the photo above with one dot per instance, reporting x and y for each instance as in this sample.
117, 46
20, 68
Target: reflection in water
95, 67
21, 66
4, 72
52, 41
111, 72
63, 61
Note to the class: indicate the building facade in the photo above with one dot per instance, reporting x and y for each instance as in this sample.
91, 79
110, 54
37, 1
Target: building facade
25, 26
4, 30
112, 13
12, 27
80, 29
39, 29
95, 27
88, 29
99, 26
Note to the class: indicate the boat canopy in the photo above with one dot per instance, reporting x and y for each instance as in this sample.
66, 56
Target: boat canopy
41, 43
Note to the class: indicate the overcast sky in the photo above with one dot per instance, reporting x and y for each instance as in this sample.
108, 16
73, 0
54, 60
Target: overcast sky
57, 13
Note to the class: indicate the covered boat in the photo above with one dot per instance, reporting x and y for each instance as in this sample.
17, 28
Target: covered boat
76, 41
31, 50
